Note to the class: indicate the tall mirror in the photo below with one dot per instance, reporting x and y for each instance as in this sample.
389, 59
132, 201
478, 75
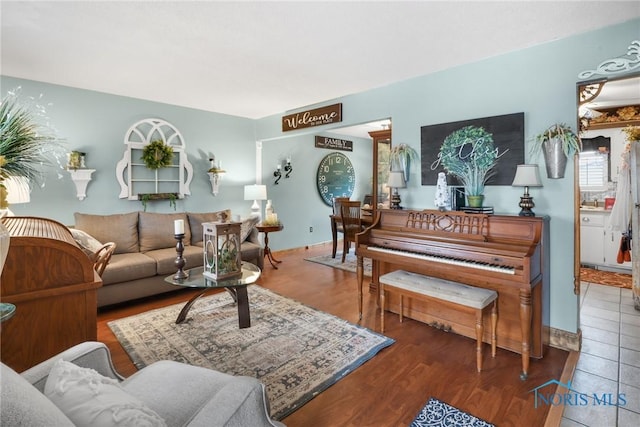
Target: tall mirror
605, 108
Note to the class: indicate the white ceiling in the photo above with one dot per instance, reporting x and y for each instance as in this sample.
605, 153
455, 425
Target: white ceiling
254, 59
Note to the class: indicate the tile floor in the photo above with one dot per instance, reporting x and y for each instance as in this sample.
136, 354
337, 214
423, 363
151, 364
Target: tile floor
610, 359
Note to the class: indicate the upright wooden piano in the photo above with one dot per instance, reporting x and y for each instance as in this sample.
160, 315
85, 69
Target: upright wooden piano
52, 283
503, 253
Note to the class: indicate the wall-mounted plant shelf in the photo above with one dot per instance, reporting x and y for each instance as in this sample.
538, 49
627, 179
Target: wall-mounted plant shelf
147, 197
133, 175
81, 178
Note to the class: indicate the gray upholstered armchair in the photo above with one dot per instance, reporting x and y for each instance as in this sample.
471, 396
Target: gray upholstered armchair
175, 394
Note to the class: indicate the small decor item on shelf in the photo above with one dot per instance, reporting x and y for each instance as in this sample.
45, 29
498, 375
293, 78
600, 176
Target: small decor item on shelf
221, 250
443, 196
157, 154
76, 160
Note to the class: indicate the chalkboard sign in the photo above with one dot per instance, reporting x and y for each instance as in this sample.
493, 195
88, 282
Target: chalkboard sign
508, 138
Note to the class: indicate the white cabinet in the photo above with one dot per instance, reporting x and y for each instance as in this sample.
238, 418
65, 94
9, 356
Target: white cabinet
611, 247
592, 238
598, 244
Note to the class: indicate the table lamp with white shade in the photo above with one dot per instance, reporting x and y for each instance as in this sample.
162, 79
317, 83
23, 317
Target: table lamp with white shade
527, 176
396, 180
18, 191
255, 192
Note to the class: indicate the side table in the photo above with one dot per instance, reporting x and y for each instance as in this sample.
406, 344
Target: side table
266, 229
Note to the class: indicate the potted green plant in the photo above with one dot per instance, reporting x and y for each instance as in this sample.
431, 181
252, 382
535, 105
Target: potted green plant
157, 154
25, 146
557, 143
400, 158
470, 155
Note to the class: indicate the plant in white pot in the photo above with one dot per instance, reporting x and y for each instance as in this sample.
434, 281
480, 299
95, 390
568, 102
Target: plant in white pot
557, 143
470, 155
400, 158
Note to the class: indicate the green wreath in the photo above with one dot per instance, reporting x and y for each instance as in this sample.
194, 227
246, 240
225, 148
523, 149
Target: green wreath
157, 154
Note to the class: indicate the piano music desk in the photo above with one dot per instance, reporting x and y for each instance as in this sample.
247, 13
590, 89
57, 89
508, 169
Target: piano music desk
460, 297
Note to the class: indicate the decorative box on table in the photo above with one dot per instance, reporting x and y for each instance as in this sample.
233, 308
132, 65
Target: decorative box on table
221, 244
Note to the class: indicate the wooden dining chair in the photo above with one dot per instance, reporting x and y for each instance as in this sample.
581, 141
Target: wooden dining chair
337, 222
351, 224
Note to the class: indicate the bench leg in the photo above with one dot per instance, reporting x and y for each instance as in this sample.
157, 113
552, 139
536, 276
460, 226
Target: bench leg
494, 324
382, 307
479, 332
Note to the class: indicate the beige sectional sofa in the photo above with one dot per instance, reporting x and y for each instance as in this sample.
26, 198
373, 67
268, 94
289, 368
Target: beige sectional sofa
146, 249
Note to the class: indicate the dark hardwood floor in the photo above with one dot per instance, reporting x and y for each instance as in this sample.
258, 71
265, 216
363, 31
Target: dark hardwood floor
392, 387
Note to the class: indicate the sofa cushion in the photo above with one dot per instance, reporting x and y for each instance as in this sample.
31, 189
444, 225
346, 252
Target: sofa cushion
165, 259
122, 229
196, 220
156, 230
126, 267
88, 398
21, 404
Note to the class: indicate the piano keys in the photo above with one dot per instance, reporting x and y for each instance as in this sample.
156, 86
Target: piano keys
498, 252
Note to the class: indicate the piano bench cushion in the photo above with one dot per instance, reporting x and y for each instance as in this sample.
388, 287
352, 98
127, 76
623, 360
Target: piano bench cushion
434, 287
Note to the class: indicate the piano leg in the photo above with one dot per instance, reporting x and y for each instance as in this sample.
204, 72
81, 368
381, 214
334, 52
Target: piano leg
360, 275
525, 324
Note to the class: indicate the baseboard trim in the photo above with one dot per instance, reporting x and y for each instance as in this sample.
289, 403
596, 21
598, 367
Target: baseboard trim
564, 340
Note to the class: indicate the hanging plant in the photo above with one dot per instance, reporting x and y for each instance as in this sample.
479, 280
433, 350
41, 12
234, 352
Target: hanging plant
157, 154
400, 158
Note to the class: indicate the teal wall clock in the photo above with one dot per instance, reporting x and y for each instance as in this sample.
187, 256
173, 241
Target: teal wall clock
336, 177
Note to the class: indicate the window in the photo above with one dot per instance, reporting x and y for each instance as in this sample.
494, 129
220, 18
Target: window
594, 173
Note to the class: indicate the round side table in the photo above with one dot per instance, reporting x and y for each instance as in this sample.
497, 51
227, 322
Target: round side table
266, 229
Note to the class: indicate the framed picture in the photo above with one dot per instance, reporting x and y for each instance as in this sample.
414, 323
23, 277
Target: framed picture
508, 138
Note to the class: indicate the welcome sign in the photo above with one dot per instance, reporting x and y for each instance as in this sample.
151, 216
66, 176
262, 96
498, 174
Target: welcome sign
316, 117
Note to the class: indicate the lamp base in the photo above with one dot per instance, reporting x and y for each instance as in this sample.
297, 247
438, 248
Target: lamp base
395, 201
526, 203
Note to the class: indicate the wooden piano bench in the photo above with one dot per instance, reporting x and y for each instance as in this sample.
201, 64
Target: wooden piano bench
457, 295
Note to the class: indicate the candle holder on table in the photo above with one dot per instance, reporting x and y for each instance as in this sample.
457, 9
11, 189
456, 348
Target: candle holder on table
180, 261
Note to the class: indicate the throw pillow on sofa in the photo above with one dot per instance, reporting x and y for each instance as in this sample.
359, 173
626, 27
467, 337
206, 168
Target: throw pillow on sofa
196, 220
87, 243
247, 225
156, 230
88, 398
122, 229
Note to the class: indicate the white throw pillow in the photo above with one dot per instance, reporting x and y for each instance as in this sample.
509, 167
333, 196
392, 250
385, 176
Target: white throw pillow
87, 243
246, 227
88, 398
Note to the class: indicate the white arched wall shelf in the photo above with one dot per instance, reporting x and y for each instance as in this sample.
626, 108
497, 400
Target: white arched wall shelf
133, 175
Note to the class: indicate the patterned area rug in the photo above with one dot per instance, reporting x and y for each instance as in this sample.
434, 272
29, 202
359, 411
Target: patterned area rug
348, 265
295, 350
608, 278
439, 414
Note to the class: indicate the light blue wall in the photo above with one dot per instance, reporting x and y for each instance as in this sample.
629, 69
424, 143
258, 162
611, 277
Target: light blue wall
96, 123
539, 81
